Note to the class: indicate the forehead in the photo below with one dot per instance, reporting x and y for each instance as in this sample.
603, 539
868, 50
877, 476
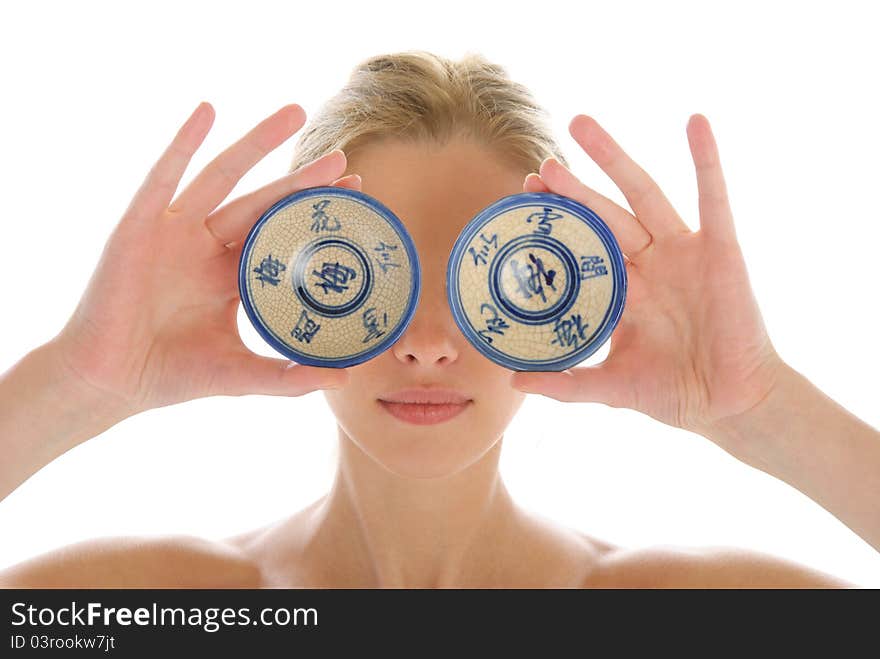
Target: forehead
434, 189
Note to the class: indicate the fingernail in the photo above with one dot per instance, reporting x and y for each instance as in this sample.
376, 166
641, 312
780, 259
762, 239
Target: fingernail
544, 163
293, 110
328, 155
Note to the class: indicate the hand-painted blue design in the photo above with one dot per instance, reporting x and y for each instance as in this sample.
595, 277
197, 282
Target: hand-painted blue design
322, 221
334, 277
268, 271
570, 332
472, 325
385, 256
526, 245
495, 324
544, 218
305, 329
371, 324
378, 213
590, 267
480, 256
528, 277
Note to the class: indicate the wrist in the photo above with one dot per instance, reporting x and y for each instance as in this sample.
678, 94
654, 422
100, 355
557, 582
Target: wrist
74, 386
77, 409
755, 436
803, 437
45, 410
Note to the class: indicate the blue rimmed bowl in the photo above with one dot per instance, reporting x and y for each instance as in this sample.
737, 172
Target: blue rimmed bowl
536, 282
329, 276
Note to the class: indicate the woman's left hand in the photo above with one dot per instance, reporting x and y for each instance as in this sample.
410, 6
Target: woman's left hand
690, 348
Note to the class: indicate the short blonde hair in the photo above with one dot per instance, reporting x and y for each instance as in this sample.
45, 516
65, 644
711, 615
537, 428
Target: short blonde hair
417, 95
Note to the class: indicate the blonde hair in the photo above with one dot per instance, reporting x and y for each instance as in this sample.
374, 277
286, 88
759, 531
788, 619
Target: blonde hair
417, 95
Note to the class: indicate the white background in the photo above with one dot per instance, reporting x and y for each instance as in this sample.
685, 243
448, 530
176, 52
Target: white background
92, 93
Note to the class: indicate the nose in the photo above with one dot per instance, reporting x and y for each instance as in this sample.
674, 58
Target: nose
431, 339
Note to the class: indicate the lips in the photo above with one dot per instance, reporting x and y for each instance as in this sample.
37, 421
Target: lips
423, 414
425, 406
423, 395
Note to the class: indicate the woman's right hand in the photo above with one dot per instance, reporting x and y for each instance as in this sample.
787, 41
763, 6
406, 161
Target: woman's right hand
157, 324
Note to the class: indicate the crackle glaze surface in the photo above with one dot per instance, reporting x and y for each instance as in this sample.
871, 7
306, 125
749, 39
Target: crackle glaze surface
329, 276
536, 281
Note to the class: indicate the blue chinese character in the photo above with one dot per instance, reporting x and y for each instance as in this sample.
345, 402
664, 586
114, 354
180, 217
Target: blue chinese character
543, 219
322, 221
480, 257
305, 328
371, 324
334, 276
268, 271
495, 324
382, 248
590, 267
569, 332
528, 277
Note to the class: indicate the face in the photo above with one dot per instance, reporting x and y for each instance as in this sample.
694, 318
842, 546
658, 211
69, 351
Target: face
435, 191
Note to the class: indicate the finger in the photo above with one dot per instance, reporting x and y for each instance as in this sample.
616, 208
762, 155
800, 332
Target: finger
231, 222
716, 218
219, 177
248, 373
160, 184
632, 237
534, 183
644, 195
584, 384
352, 181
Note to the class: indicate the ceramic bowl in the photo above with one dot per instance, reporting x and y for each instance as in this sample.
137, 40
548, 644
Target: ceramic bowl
329, 276
536, 282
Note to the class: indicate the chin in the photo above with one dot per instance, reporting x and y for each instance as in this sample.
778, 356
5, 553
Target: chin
430, 454
416, 451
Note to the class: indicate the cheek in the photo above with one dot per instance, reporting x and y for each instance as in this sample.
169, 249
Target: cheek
352, 414
503, 400
355, 403
496, 401
344, 402
509, 398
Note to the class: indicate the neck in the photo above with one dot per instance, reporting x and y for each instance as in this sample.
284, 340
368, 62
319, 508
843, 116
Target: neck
390, 531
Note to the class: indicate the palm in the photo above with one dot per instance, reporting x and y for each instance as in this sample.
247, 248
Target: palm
157, 323
160, 312
691, 347
691, 335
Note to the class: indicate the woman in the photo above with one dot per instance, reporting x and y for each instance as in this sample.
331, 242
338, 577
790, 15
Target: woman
417, 504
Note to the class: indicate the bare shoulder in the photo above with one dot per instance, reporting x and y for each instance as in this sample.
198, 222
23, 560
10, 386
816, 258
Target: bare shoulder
172, 561
667, 566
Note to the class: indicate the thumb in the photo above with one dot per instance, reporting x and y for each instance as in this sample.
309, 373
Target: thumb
584, 384
255, 374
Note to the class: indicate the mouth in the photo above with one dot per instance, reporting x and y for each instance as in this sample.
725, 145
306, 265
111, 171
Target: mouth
425, 406
424, 414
